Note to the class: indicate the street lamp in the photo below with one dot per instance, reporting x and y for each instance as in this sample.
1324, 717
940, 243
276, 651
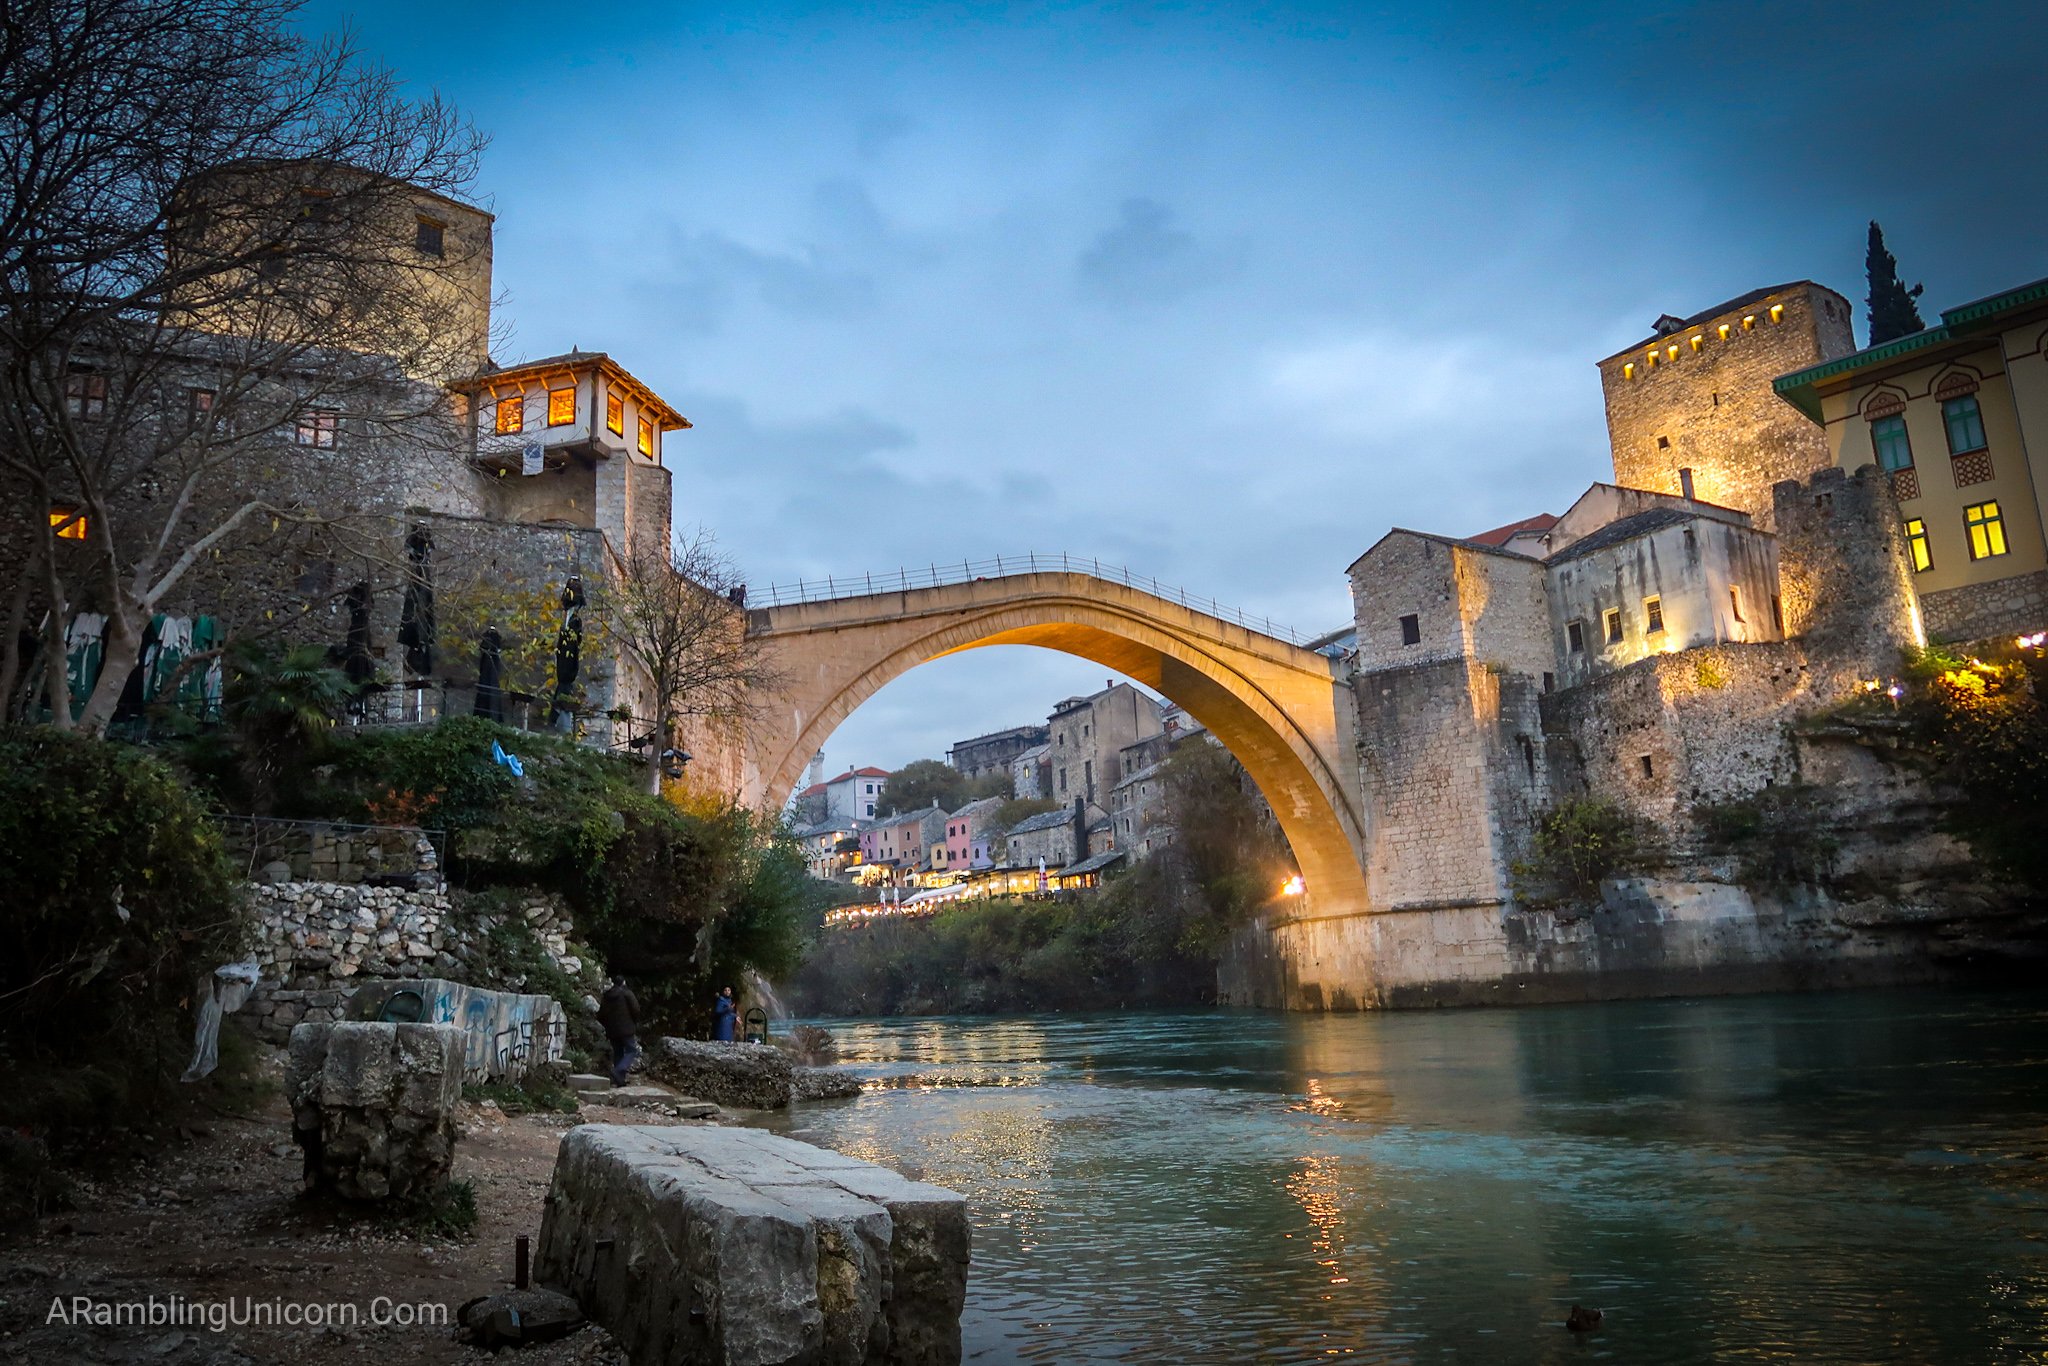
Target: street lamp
673, 762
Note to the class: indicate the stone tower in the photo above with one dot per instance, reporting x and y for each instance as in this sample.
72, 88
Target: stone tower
1690, 409
1844, 576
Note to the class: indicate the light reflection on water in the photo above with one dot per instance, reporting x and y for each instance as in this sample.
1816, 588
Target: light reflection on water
1855, 1178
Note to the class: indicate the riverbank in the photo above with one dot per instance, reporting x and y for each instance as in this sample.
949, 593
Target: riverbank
210, 1213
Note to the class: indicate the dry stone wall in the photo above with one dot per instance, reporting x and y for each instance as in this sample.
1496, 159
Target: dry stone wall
316, 939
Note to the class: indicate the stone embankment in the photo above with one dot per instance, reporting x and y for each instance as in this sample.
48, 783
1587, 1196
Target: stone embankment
736, 1246
746, 1076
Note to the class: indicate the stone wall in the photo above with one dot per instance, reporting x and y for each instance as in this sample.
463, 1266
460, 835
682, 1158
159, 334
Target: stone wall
319, 851
1423, 764
2018, 605
1712, 410
314, 940
1844, 574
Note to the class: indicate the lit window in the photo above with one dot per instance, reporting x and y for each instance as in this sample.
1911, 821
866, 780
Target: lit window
1575, 634
1628, 371
1650, 359
67, 523
1986, 526
1748, 321
1777, 313
199, 405
1735, 602
318, 427
1723, 330
1672, 350
85, 394
1696, 342
561, 407
1888, 439
646, 438
512, 414
1653, 616
1916, 545
1411, 630
615, 413
1614, 626
430, 237
1965, 424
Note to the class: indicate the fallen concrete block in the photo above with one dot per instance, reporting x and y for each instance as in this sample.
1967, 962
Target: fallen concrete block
373, 1105
743, 1248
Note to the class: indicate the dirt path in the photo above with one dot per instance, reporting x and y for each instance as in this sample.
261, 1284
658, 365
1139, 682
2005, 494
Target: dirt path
217, 1216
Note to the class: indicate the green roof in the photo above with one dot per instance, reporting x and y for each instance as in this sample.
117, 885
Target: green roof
1799, 387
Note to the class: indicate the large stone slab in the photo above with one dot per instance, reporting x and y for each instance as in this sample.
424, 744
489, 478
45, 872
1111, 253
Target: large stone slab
747, 1076
744, 1248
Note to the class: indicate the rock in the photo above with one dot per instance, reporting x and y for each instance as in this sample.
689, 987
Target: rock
736, 1245
515, 1318
748, 1076
373, 1105
277, 872
588, 1081
1582, 1320
824, 1083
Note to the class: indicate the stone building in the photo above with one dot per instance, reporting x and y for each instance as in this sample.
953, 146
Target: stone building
471, 497
1031, 772
1088, 737
900, 847
1137, 811
851, 796
972, 836
1690, 408
996, 751
1054, 840
1957, 417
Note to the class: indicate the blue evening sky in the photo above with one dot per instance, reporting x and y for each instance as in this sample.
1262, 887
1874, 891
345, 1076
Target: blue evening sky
1221, 292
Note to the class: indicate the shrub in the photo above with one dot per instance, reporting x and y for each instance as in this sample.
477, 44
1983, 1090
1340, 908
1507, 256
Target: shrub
119, 898
1780, 835
1578, 844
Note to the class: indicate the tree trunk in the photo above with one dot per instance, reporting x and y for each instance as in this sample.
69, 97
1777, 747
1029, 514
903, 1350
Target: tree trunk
120, 648
10, 648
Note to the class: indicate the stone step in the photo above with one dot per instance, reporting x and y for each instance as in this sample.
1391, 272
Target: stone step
657, 1098
581, 1082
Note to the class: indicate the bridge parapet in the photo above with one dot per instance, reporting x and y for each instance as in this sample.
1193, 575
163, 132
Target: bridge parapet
938, 575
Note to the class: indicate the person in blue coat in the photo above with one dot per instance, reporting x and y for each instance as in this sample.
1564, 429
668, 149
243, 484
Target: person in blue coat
722, 1012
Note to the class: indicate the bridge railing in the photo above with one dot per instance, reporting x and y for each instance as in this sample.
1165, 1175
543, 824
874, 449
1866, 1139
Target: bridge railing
968, 571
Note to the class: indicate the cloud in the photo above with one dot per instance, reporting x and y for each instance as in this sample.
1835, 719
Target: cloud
1144, 258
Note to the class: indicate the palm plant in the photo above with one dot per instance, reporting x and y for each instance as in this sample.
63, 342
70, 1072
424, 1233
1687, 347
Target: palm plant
282, 706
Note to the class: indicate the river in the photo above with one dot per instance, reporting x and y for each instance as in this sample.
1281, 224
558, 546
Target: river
1856, 1177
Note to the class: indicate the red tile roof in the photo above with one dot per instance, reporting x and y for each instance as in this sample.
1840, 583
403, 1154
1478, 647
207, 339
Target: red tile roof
1501, 535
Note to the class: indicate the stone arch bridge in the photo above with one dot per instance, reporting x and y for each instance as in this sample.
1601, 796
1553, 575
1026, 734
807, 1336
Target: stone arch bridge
1283, 710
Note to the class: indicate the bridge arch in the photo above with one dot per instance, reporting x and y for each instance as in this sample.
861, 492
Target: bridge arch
1277, 707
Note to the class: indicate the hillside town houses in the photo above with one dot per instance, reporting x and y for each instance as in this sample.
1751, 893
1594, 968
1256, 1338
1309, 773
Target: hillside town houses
1098, 761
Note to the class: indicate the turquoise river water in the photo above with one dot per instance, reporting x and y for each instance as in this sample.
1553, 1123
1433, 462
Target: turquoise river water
1847, 1178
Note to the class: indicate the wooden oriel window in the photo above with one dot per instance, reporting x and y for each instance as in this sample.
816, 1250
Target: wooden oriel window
646, 438
561, 407
615, 413
512, 414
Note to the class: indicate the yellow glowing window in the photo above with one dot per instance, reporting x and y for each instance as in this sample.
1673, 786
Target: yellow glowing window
512, 414
67, 522
1696, 341
1748, 321
1986, 525
1650, 361
1916, 545
1673, 350
646, 438
1777, 313
1628, 371
561, 407
615, 413
1723, 329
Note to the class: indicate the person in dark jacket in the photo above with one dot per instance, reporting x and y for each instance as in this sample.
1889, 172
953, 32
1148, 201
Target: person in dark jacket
722, 1012
618, 1016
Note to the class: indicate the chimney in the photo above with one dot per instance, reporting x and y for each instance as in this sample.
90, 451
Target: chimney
1685, 483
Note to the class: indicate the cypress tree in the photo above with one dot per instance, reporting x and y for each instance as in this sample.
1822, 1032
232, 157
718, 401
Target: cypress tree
1890, 305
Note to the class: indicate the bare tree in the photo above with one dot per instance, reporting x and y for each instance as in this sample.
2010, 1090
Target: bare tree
215, 278
675, 615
